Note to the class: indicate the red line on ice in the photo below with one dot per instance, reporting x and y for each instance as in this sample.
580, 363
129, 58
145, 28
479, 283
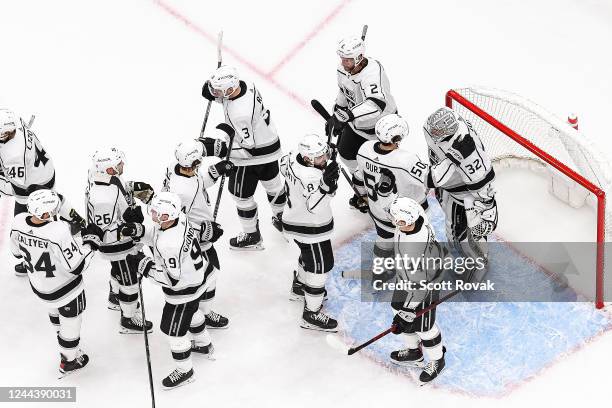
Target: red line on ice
269, 76
298, 47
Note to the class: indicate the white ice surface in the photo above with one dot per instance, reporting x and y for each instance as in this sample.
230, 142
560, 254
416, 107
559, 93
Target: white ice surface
129, 74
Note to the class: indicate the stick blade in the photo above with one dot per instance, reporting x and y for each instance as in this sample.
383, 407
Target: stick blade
337, 344
320, 109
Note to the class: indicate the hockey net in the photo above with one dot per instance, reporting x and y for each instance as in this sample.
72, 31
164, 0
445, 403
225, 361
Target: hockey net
518, 133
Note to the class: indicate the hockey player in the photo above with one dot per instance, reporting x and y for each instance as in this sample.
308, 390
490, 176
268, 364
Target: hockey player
461, 169
255, 152
185, 179
415, 238
55, 262
110, 203
364, 96
311, 180
384, 167
182, 271
24, 168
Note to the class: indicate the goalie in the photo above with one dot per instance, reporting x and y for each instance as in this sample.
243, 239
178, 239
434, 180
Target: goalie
463, 176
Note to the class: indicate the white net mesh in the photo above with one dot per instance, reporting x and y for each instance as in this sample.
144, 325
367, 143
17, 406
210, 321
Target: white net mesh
544, 130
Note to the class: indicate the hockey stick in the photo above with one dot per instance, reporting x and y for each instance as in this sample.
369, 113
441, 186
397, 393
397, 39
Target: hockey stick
31, 121
320, 109
219, 61
364, 31
336, 343
222, 182
146, 338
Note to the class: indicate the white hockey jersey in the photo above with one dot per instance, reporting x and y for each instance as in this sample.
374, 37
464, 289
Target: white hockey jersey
53, 259
24, 163
106, 201
256, 140
459, 163
307, 217
192, 192
407, 167
180, 268
425, 259
367, 94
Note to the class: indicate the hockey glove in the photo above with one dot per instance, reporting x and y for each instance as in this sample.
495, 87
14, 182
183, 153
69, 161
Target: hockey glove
132, 229
206, 94
142, 191
329, 183
213, 147
77, 223
386, 184
341, 116
211, 231
403, 321
223, 168
92, 236
133, 215
140, 263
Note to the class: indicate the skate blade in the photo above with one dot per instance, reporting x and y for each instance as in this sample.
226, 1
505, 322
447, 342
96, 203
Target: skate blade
21, 275
217, 327
410, 364
258, 247
114, 307
67, 373
123, 330
308, 326
187, 381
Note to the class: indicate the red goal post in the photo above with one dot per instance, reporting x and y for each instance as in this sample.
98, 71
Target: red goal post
535, 130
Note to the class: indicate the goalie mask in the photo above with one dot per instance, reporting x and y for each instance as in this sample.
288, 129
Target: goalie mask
442, 123
43, 202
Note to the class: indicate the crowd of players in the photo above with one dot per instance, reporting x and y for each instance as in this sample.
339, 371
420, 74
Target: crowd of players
171, 241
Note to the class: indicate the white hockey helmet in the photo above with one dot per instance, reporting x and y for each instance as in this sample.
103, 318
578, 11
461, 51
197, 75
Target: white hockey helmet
224, 81
105, 159
351, 47
312, 146
189, 153
391, 129
165, 206
443, 122
405, 211
43, 201
8, 123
